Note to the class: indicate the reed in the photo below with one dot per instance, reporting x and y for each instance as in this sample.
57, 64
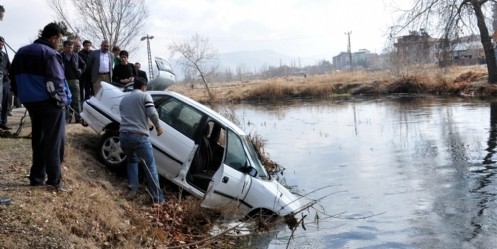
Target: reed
425, 79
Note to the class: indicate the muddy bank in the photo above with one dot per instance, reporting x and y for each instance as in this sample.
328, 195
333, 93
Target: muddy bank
97, 212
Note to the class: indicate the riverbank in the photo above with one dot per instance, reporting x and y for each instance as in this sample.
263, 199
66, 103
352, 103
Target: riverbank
467, 81
97, 211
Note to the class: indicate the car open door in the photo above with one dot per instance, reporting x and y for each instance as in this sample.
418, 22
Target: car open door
230, 185
175, 147
228, 188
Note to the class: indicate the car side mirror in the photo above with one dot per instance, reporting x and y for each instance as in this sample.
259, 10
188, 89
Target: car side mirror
250, 171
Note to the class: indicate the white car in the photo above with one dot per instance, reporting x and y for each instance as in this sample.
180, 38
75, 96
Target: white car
200, 151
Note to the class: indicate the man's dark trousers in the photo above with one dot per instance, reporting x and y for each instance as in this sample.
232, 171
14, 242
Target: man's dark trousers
5, 102
48, 135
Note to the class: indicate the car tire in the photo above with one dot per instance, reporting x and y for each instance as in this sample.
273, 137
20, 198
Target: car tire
110, 152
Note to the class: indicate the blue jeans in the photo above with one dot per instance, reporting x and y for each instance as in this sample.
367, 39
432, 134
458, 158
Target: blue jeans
138, 146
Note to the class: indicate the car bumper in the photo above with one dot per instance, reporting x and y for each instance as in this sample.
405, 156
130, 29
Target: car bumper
95, 118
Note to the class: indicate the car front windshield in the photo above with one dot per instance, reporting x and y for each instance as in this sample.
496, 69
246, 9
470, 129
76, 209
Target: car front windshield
254, 159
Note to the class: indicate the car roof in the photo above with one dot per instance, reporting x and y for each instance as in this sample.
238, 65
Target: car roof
202, 108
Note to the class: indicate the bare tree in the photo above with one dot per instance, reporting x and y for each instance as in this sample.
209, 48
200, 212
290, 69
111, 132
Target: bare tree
117, 21
197, 56
452, 18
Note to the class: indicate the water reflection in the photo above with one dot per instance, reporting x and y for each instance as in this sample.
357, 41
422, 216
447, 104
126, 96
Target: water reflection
486, 175
492, 138
427, 163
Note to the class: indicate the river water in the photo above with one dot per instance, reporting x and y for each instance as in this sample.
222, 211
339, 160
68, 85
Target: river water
396, 172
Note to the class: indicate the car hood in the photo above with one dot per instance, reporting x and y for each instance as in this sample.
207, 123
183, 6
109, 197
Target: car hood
274, 196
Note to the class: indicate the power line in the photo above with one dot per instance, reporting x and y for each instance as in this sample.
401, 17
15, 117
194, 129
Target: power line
349, 49
150, 68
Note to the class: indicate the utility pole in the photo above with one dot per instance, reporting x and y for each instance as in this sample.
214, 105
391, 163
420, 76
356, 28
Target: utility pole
349, 49
150, 68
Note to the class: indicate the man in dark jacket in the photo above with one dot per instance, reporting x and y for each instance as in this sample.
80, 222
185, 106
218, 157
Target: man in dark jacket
73, 68
37, 76
4, 200
4, 70
85, 80
139, 72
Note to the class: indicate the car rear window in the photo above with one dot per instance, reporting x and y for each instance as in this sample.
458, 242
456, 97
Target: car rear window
180, 116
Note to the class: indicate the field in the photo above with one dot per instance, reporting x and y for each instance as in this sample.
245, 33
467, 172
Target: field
459, 81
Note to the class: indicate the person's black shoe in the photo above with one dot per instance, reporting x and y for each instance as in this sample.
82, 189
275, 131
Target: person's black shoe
4, 127
59, 189
36, 184
4, 200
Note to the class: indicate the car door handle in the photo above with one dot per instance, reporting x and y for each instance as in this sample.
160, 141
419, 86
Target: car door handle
225, 179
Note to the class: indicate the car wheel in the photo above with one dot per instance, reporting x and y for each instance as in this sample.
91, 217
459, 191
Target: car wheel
110, 152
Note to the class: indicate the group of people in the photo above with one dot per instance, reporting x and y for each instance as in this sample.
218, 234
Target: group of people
48, 82
84, 70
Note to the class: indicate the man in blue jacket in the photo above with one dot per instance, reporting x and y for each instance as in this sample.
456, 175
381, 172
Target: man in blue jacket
38, 80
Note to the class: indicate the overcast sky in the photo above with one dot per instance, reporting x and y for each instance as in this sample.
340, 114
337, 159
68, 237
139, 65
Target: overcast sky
299, 28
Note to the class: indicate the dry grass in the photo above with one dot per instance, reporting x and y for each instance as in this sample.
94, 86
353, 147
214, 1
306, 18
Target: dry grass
93, 215
461, 80
259, 144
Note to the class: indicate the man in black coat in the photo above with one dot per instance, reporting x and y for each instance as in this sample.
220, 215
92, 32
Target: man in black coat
139, 72
4, 200
85, 80
5, 84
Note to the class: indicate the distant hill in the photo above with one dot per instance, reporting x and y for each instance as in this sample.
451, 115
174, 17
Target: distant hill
253, 61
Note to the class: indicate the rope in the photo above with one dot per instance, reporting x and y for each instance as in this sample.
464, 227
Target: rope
21, 124
156, 184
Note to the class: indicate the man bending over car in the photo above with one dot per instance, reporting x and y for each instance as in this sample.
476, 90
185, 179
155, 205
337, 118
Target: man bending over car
136, 108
